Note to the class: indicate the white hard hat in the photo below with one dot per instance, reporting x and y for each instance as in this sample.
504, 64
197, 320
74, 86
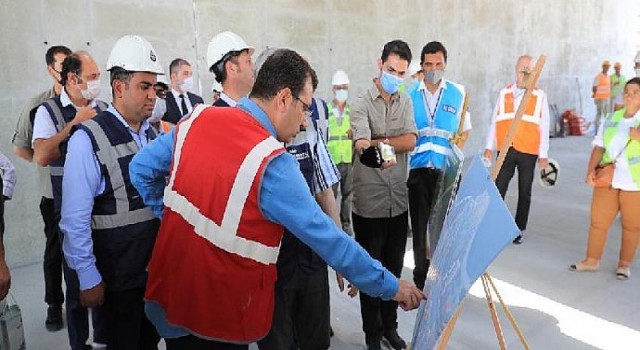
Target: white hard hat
414, 67
340, 78
549, 175
135, 54
222, 44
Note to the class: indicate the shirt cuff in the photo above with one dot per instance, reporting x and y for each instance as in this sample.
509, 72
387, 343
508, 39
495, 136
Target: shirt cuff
21, 142
89, 277
390, 286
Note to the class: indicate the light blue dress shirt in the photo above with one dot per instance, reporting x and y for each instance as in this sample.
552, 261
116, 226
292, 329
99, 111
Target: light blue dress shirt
284, 199
82, 182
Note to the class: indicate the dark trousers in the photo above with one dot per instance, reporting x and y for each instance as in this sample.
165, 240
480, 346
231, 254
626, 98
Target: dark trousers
385, 239
191, 342
52, 264
78, 315
422, 191
301, 313
129, 328
526, 165
346, 186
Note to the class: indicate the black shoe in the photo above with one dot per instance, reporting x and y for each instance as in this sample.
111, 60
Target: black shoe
518, 240
54, 318
393, 340
375, 345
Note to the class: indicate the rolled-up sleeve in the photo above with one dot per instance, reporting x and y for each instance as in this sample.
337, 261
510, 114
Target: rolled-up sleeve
285, 199
149, 169
359, 119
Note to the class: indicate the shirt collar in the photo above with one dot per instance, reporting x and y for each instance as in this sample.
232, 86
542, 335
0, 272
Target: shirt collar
256, 112
375, 93
143, 126
177, 94
66, 100
442, 85
231, 102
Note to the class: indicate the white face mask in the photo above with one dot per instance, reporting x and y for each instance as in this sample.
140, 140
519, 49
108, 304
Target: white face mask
159, 110
342, 95
92, 91
187, 84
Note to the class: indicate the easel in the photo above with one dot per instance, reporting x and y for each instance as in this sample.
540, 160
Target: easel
487, 282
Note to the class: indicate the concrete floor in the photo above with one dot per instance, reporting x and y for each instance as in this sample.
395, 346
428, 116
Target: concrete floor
554, 307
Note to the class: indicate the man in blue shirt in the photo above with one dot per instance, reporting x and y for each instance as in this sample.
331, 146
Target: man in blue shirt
108, 231
284, 196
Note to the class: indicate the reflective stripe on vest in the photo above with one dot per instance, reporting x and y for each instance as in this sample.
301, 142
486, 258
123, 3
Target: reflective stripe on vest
433, 145
603, 89
340, 145
224, 236
527, 136
105, 153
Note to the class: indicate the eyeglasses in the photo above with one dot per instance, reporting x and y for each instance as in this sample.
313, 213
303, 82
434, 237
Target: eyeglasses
307, 109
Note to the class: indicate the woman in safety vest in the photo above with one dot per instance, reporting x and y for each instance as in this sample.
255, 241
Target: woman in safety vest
618, 143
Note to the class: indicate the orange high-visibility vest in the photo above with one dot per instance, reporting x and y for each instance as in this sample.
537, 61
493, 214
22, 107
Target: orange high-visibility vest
603, 89
527, 137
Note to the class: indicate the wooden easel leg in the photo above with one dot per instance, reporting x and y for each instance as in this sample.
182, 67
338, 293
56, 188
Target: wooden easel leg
448, 330
494, 313
507, 312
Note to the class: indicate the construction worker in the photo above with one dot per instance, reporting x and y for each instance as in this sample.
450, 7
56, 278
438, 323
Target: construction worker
54, 121
601, 93
180, 100
437, 109
530, 143
382, 121
340, 144
22, 147
221, 294
109, 232
229, 59
618, 81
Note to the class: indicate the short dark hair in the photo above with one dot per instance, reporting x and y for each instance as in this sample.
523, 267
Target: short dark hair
219, 69
176, 64
50, 55
433, 47
121, 74
314, 79
71, 64
635, 80
283, 69
396, 47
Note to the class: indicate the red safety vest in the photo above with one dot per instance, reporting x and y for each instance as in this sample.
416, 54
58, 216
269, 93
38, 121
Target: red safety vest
213, 265
527, 137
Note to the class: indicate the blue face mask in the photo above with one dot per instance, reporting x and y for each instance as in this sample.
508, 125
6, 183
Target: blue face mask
390, 83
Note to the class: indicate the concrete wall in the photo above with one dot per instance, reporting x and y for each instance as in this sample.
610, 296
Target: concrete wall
483, 37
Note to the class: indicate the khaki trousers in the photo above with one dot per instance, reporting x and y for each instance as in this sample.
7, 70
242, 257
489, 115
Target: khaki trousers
605, 205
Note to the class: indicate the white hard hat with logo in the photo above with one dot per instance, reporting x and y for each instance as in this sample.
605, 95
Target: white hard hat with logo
222, 44
340, 78
549, 175
135, 54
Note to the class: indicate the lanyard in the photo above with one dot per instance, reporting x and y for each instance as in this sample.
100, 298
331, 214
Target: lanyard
430, 115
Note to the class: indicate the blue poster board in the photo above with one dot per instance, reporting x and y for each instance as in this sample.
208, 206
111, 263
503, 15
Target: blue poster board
475, 231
